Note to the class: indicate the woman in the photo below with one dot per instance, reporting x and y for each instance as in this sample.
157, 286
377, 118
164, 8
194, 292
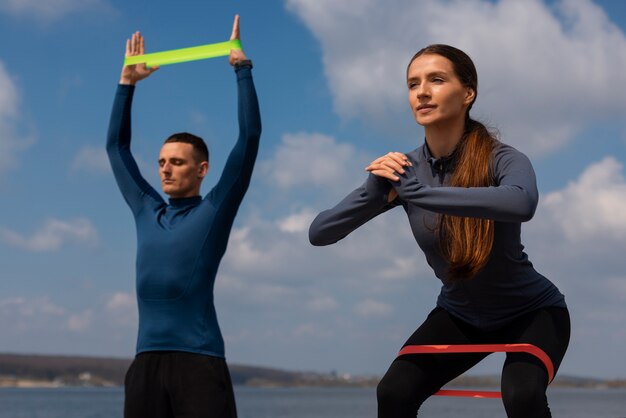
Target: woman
466, 195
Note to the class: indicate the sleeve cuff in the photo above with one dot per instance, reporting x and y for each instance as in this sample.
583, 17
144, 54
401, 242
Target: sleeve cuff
125, 88
243, 72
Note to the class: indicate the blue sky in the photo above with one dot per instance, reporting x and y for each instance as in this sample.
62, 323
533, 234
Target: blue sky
330, 81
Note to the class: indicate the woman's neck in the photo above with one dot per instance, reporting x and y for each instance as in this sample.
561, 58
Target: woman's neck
443, 139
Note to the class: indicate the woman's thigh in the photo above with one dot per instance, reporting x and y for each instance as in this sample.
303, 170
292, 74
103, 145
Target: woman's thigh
414, 377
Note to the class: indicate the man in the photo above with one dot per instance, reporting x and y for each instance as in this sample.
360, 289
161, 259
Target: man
180, 370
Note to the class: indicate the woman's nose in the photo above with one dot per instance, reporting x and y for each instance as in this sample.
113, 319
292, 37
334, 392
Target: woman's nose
422, 90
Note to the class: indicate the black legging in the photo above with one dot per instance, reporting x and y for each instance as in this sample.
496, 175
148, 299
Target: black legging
411, 379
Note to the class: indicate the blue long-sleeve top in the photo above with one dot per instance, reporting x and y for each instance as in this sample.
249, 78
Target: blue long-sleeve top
508, 286
180, 243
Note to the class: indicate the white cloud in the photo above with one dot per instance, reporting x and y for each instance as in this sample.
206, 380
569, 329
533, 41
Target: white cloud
592, 207
50, 10
254, 291
311, 330
297, 222
266, 249
312, 159
9, 97
53, 235
98, 329
30, 307
120, 310
248, 253
400, 268
278, 250
121, 301
91, 160
80, 321
371, 308
539, 86
10, 142
20, 314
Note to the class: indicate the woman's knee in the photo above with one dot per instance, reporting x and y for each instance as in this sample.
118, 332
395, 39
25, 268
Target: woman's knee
525, 401
403, 384
395, 400
390, 390
524, 384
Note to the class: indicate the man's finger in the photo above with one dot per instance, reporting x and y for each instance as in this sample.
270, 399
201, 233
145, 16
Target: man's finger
133, 46
235, 32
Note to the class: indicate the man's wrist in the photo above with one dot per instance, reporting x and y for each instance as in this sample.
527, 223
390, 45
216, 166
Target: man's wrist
242, 63
127, 81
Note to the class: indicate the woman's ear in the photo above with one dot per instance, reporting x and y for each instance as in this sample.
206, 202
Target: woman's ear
469, 96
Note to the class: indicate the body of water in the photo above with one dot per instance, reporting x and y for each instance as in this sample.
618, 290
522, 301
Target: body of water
303, 403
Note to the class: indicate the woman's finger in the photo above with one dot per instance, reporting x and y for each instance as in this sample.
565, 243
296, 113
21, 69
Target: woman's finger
399, 158
385, 174
394, 165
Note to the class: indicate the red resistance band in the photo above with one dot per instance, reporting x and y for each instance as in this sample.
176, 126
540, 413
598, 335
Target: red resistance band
480, 348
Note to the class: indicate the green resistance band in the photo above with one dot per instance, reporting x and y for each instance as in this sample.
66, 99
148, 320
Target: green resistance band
185, 54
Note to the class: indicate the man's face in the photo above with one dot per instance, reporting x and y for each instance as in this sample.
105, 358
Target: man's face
181, 175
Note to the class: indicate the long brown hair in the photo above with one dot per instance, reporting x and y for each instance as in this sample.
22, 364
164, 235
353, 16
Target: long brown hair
466, 242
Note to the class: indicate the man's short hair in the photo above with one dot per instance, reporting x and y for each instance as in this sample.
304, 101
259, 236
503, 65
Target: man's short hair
201, 152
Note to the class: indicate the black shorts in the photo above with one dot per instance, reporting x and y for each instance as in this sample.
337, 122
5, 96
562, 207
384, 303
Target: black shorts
173, 384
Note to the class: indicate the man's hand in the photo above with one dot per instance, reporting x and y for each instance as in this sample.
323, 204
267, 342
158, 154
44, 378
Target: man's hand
236, 55
131, 74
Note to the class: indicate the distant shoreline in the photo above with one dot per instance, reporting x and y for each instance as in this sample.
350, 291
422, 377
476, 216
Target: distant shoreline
37, 384
47, 371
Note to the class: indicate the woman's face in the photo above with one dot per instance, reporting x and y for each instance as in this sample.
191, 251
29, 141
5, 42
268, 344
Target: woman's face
436, 94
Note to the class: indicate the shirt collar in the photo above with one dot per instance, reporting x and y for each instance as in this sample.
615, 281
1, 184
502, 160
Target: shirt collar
441, 164
185, 201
